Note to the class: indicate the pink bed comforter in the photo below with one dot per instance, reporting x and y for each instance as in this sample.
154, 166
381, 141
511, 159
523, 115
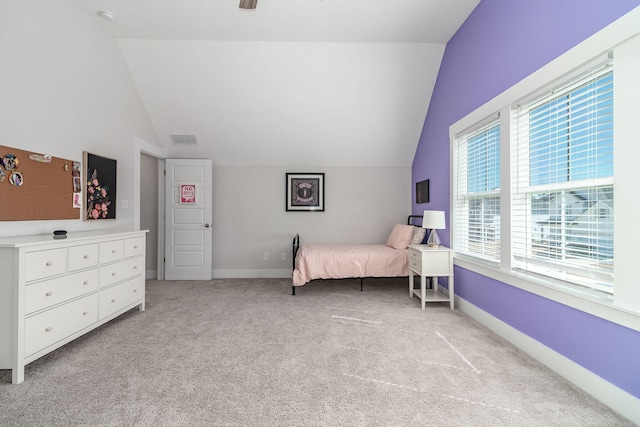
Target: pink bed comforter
345, 261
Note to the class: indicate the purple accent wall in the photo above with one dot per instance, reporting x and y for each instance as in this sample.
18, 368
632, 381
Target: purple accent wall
502, 42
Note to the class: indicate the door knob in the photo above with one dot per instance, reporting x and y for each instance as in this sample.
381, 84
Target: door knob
207, 225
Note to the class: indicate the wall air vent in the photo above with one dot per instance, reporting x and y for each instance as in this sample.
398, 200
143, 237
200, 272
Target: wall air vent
184, 139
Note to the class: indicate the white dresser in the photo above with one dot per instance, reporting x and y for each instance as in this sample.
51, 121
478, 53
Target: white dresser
53, 291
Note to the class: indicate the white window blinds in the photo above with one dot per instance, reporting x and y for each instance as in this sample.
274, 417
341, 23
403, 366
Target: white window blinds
562, 182
477, 192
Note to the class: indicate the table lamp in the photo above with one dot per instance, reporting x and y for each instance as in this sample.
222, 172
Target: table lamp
433, 220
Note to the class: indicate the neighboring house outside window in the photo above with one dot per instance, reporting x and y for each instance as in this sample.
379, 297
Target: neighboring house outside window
563, 167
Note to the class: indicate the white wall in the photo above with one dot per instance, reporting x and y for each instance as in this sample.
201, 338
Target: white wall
362, 204
65, 88
287, 103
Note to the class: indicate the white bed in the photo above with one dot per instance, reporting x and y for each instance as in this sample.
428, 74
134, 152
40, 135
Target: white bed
390, 259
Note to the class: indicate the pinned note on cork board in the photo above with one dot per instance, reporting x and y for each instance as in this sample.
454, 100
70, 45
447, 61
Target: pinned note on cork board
37, 186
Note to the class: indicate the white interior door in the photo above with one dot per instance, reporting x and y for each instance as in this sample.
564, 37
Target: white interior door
188, 241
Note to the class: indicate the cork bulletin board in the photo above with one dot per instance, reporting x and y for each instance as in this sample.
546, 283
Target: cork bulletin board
37, 190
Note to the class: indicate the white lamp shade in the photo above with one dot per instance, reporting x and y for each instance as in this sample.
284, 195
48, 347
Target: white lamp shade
433, 220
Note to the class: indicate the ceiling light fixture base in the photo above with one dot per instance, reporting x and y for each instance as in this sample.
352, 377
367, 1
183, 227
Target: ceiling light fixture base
107, 15
248, 4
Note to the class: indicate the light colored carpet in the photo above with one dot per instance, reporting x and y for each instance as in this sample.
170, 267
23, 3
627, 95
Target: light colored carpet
239, 352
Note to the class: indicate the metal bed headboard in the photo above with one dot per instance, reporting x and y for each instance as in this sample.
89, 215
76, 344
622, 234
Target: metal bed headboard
410, 217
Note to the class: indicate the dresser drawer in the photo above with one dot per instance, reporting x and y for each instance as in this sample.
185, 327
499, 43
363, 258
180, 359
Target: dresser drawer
133, 247
83, 256
118, 271
111, 251
41, 264
49, 327
54, 291
120, 296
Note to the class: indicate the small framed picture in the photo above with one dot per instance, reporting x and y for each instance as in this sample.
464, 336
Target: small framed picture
187, 193
77, 200
305, 192
422, 191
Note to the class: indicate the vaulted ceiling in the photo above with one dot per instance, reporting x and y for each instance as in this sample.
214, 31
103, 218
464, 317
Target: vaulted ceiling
293, 82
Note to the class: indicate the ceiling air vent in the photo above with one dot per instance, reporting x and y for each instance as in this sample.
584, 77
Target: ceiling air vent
184, 139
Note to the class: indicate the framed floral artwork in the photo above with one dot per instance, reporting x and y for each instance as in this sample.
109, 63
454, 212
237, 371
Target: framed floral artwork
305, 192
100, 187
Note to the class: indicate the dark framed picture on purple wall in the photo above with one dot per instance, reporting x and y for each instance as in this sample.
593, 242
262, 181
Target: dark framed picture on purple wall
100, 178
422, 191
305, 192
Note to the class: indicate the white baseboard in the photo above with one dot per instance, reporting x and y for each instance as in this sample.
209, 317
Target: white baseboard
617, 399
251, 274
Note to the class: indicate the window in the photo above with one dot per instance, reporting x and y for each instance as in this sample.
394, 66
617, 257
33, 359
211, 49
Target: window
562, 182
477, 211
562, 217
560, 189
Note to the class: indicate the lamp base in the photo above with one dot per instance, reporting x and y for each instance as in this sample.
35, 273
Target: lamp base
433, 240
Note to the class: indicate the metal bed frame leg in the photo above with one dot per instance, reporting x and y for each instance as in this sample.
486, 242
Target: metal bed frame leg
295, 244
361, 284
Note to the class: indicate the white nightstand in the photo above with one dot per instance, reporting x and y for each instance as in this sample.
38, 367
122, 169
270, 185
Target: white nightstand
426, 261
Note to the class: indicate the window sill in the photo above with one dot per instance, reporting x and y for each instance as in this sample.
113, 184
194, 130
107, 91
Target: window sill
598, 306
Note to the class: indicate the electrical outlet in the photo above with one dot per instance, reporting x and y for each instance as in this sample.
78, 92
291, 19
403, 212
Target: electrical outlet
283, 256
266, 256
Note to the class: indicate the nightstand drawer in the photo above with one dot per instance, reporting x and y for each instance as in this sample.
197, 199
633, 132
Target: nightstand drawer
437, 263
415, 260
431, 262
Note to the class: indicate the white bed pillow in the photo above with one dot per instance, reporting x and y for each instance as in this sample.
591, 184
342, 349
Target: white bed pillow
418, 235
400, 236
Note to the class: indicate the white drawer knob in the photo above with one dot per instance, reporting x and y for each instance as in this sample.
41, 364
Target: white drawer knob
49, 263
135, 267
49, 329
113, 251
48, 294
113, 274
113, 300
86, 257
135, 246
84, 313
86, 282
135, 290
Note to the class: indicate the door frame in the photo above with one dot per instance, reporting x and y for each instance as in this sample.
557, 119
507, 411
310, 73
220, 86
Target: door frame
141, 146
